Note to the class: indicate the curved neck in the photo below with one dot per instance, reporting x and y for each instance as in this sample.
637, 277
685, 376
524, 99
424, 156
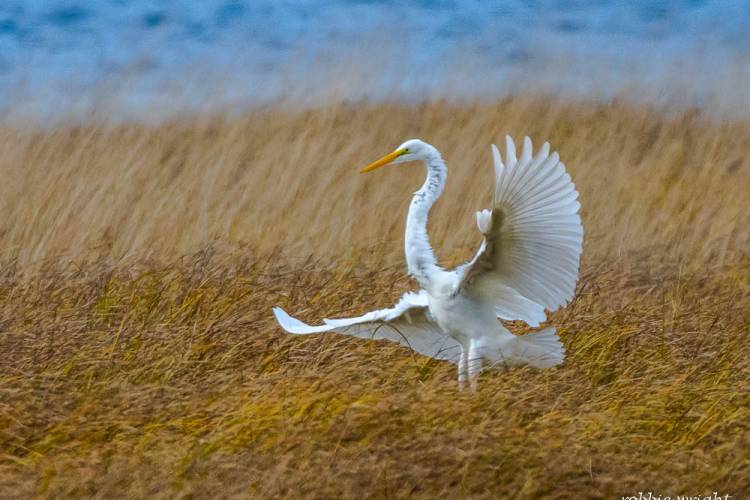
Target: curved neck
420, 259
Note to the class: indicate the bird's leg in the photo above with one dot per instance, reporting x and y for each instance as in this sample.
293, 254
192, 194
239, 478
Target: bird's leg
462, 368
474, 364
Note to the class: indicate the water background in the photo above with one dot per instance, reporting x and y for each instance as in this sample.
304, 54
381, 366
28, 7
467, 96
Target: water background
147, 59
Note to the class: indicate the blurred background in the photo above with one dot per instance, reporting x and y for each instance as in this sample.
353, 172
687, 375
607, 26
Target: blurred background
132, 58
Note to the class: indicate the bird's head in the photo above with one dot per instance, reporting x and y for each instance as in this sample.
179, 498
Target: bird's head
411, 150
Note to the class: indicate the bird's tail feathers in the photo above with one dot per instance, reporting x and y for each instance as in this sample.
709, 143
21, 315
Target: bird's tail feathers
541, 349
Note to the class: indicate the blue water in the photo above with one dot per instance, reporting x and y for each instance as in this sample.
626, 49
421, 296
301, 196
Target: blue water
145, 58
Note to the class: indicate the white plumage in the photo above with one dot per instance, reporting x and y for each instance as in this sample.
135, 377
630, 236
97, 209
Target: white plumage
527, 263
408, 322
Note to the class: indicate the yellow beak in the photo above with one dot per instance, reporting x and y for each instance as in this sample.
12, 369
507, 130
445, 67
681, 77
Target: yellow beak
383, 161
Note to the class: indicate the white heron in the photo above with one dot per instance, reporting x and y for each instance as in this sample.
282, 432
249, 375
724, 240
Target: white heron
527, 262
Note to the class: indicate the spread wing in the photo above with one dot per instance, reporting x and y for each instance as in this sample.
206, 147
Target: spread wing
408, 322
533, 237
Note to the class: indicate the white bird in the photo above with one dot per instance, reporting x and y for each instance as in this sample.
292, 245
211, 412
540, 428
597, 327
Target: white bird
527, 262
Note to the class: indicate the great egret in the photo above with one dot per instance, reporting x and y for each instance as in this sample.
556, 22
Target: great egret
527, 262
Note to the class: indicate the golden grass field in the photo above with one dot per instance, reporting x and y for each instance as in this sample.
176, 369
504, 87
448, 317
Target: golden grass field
139, 264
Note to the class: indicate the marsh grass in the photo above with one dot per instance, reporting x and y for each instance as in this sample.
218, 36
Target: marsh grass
277, 180
139, 358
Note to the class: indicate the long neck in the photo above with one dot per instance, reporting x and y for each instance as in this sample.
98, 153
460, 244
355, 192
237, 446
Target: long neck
420, 259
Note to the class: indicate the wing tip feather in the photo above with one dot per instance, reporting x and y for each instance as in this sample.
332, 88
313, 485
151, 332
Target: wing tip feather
295, 326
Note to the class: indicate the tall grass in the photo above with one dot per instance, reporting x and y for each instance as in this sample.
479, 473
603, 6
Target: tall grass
138, 356
278, 180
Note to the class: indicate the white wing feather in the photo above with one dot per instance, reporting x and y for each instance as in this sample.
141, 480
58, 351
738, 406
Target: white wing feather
533, 237
408, 323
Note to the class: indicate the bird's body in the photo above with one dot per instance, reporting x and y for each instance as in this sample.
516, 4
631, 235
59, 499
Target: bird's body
528, 262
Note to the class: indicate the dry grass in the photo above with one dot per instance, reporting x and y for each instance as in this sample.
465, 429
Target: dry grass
127, 370
277, 179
